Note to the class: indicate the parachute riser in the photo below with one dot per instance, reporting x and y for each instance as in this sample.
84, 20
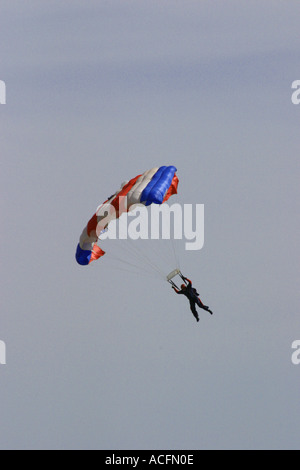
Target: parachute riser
173, 284
173, 274
183, 278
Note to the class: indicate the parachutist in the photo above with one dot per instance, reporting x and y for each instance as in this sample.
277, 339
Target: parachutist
191, 293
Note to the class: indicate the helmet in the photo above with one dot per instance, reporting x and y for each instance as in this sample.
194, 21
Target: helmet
183, 286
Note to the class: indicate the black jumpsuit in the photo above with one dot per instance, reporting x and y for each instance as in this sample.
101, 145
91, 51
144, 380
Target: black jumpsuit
192, 295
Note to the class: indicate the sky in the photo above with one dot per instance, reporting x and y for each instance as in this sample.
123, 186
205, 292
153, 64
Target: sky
99, 357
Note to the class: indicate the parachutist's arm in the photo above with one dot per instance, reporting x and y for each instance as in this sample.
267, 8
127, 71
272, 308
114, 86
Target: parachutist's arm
186, 279
189, 281
176, 290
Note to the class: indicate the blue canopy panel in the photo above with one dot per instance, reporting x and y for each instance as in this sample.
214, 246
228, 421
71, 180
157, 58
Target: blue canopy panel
83, 257
155, 191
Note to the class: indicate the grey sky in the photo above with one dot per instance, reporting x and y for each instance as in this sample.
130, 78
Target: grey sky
96, 94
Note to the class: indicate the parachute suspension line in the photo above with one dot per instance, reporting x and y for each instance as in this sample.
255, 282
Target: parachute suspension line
117, 258
130, 251
159, 253
173, 284
175, 255
145, 258
162, 253
136, 273
138, 268
129, 245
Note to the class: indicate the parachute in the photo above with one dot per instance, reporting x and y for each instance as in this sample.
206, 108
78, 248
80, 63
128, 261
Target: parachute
155, 186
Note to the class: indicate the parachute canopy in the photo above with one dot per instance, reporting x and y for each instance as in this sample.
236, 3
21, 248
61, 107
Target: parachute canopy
155, 186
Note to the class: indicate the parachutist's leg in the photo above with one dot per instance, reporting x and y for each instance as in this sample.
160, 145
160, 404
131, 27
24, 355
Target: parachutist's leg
193, 309
201, 305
